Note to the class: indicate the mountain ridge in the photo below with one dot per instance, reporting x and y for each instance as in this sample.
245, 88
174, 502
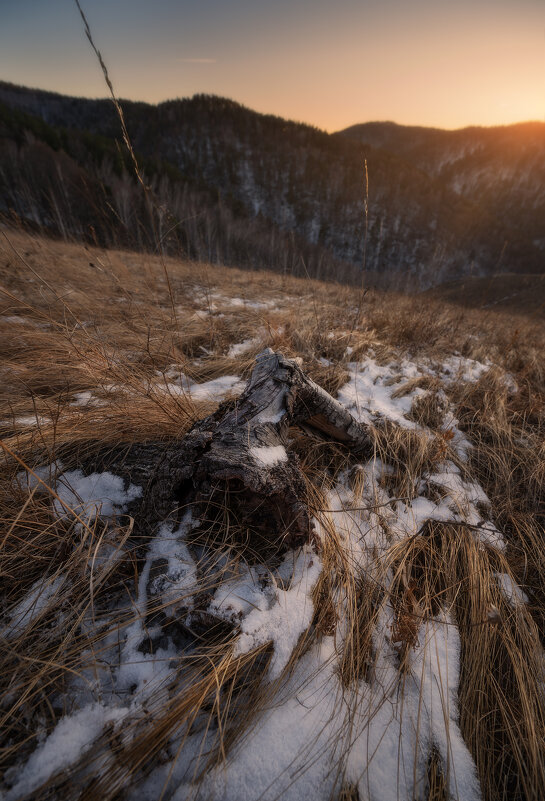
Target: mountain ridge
502, 167
297, 183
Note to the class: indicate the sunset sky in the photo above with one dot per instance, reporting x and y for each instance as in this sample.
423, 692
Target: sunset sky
447, 63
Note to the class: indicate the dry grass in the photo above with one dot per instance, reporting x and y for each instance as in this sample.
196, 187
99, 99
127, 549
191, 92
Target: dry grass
501, 668
91, 321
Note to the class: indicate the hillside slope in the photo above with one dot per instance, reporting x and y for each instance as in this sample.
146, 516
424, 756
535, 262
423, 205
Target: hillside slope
518, 294
501, 169
297, 193
395, 653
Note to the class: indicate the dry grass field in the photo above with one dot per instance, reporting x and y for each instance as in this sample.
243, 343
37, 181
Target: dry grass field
522, 295
398, 655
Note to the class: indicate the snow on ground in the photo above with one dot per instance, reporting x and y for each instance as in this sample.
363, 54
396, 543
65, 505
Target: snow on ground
87, 398
377, 391
14, 319
171, 381
242, 347
85, 496
28, 420
269, 455
370, 392
70, 739
373, 390
396, 731
288, 617
213, 300
217, 389
33, 605
514, 594
461, 368
378, 733
289, 754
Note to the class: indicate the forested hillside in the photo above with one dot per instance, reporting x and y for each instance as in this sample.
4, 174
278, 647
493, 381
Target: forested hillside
228, 185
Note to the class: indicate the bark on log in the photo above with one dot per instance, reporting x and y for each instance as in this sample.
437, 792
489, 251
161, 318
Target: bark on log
240, 450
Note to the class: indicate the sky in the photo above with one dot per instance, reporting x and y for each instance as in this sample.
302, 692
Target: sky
330, 63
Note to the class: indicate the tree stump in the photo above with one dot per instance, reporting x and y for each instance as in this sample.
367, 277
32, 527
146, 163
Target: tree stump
240, 452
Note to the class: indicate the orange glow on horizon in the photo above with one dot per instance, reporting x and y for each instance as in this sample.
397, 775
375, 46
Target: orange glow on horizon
433, 64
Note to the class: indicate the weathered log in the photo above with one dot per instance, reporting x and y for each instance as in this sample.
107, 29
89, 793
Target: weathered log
240, 450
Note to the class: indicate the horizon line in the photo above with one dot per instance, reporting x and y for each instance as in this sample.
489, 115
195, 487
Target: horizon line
270, 113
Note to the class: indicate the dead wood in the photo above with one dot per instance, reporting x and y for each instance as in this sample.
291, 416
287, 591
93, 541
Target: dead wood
240, 452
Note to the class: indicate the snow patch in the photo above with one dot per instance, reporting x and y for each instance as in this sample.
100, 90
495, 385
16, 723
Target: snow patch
96, 494
214, 390
288, 617
269, 455
33, 605
511, 590
243, 347
69, 740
